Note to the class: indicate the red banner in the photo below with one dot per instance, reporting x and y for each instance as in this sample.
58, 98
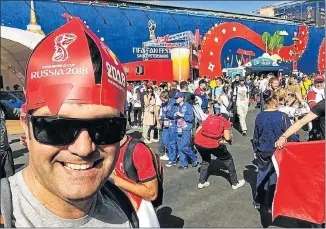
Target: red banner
300, 190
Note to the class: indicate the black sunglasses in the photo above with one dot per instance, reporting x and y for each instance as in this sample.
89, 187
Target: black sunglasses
60, 131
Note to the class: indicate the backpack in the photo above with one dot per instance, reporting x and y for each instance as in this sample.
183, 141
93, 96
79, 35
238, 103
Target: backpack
108, 189
131, 172
212, 128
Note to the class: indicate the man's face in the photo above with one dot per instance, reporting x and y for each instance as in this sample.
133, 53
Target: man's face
319, 84
237, 78
218, 82
203, 86
164, 100
61, 169
179, 100
291, 80
275, 84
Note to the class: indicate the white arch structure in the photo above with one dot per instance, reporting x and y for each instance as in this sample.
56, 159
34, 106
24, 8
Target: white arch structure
16, 47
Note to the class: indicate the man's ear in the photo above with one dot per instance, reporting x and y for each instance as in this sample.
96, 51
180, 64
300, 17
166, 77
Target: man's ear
23, 120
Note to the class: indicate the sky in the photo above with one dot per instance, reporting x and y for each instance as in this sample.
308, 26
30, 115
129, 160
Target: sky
230, 6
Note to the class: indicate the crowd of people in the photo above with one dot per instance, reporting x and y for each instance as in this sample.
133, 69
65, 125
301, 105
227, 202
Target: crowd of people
84, 170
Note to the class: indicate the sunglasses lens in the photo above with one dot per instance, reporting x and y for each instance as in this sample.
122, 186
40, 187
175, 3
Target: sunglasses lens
108, 131
52, 131
62, 131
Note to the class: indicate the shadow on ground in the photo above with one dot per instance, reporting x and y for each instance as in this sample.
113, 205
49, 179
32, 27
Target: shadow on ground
19, 153
14, 140
217, 168
167, 220
250, 176
19, 167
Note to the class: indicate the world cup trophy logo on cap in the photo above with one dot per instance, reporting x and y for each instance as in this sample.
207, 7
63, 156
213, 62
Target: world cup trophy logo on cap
61, 44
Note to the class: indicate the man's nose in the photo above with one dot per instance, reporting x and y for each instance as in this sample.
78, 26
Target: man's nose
83, 145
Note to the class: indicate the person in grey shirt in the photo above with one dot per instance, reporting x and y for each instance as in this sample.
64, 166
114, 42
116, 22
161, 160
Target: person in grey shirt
6, 160
73, 125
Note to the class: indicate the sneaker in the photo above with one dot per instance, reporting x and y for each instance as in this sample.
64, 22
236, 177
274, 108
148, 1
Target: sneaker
239, 184
154, 140
194, 165
182, 168
146, 141
164, 157
170, 164
134, 127
244, 133
205, 185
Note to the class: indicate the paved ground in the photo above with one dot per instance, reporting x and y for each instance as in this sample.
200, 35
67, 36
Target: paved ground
215, 206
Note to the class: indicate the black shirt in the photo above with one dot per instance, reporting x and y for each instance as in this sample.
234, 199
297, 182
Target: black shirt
319, 110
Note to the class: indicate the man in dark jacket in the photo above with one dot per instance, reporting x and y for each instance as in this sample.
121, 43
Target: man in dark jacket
6, 160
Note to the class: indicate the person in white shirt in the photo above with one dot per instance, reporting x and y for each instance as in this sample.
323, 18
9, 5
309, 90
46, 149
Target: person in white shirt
263, 86
137, 108
224, 102
129, 101
241, 98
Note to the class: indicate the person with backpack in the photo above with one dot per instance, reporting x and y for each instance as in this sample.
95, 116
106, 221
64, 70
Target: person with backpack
6, 159
241, 99
140, 174
184, 116
74, 123
210, 139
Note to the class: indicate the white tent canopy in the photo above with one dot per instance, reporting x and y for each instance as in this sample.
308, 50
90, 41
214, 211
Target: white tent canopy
16, 46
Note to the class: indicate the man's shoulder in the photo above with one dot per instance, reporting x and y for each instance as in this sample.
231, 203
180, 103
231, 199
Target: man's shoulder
105, 206
142, 152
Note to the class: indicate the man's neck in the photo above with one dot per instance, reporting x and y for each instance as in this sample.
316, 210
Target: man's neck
180, 104
53, 203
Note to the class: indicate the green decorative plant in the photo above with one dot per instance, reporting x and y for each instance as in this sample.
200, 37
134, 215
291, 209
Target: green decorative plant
266, 37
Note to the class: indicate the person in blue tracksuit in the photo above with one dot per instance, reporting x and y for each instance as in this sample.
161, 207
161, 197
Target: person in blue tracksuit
172, 132
184, 116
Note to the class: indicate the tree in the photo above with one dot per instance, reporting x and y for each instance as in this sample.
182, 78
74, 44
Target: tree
272, 43
279, 41
266, 37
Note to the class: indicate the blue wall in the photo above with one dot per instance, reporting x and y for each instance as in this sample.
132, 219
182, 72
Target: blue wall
122, 37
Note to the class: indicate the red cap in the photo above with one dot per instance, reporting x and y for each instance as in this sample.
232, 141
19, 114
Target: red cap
61, 69
320, 78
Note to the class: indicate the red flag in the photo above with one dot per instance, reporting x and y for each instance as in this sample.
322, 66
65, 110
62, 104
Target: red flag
300, 190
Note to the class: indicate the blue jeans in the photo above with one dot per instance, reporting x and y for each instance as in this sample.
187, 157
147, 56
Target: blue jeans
172, 147
184, 149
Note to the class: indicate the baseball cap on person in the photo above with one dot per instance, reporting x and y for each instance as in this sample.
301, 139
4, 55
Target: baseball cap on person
179, 94
73, 65
320, 78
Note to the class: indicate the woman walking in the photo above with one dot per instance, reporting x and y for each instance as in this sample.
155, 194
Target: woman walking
149, 115
210, 139
137, 108
224, 101
270, 124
